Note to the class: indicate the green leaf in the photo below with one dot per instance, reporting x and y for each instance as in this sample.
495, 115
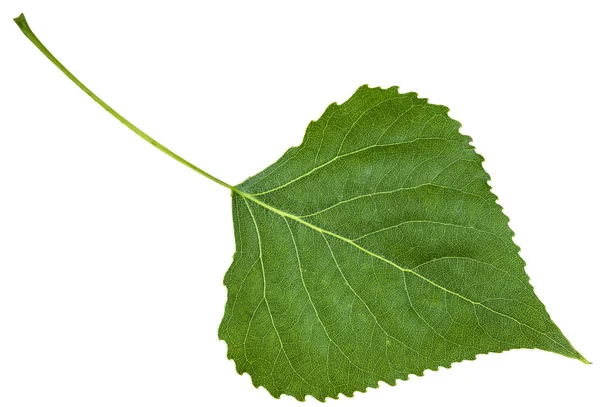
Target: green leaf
372, 251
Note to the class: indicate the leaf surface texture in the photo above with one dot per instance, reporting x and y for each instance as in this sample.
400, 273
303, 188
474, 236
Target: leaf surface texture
372, 251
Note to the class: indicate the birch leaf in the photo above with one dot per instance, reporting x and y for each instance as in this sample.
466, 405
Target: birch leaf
373, 251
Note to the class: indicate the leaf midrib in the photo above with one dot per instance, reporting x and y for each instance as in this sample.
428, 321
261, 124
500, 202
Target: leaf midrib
284, 214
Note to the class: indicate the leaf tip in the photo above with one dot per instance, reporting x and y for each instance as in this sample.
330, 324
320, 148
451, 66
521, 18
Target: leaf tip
584, 360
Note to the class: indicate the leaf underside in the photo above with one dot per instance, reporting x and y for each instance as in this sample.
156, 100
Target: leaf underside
373, 251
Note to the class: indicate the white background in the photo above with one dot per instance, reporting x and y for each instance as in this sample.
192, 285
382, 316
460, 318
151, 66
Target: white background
112, 255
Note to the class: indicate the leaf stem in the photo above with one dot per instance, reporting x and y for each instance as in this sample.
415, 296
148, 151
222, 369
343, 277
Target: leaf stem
22, 23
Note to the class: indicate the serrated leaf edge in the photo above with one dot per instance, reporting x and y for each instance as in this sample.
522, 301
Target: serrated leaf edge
251, 197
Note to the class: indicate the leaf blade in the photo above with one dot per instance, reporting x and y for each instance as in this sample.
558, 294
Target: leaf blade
397, 257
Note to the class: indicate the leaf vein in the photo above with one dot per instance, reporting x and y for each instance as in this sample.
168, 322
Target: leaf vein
313, 304
360, 150
364, 303
265, 297
373, 194
385, 260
